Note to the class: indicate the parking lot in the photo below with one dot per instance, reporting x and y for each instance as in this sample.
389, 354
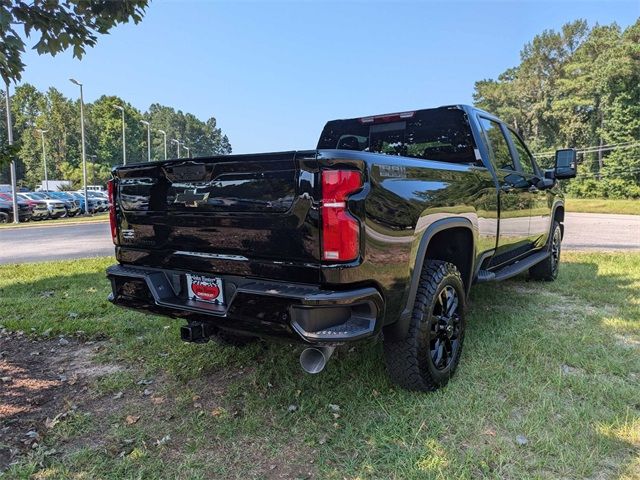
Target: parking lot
51, 205
584, 231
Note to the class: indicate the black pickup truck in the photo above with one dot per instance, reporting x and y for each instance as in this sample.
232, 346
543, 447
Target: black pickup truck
378, 233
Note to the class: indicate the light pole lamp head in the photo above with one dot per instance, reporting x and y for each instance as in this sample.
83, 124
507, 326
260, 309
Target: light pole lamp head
119, 107
144, 122
73, 80
162, 132
41, 131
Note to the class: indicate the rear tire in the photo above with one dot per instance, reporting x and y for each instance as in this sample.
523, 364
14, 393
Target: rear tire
547, 270
428, 356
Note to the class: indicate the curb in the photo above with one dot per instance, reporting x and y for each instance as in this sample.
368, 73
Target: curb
53, 225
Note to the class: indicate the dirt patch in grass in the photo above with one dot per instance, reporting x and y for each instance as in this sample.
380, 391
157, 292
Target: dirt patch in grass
42, 381
57, 401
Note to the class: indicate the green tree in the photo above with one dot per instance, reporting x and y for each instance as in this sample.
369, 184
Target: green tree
56, 26
203, 138
61, 116
104, 122
577, 87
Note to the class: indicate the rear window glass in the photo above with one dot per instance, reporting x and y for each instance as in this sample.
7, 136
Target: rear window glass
436, 134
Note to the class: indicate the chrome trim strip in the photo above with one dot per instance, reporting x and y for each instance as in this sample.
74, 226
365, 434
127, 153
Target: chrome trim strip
218, 256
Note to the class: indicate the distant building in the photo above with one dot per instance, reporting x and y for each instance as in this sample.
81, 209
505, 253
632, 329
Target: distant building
55, 185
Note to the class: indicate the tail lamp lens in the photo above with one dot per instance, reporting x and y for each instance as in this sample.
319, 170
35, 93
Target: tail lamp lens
112, 210
340, 230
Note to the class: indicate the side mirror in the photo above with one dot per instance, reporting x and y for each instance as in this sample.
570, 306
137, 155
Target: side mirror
566, 166
545, 183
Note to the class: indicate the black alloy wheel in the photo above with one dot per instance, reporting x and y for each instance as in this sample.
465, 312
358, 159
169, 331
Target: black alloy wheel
444, 341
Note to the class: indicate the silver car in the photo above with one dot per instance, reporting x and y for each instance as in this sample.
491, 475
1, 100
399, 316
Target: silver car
56, 207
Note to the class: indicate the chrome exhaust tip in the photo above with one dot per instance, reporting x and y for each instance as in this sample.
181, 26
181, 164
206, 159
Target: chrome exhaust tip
314, 359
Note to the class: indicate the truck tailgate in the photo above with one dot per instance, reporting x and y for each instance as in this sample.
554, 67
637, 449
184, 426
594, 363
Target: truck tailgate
238, 213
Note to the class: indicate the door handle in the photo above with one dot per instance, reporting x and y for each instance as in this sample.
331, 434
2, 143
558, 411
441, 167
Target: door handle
506, 188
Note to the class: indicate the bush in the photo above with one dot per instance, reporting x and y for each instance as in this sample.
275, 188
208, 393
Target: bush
614, 188
619, 189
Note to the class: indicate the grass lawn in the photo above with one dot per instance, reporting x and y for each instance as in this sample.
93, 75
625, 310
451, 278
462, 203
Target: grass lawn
97, 217
603, 205
548, 387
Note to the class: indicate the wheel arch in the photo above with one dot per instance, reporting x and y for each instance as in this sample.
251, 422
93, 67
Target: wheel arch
558, 215
449, 239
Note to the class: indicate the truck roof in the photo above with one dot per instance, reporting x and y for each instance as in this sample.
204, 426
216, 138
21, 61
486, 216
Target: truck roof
469, 109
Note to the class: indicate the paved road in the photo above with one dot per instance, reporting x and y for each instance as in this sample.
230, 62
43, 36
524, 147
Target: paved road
55, 242
584, 231
599, 231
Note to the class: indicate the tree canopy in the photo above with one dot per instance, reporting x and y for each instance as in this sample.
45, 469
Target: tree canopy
56, 26
578, 87
34, 110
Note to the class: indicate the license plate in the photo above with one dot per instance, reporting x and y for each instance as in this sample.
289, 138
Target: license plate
205, 289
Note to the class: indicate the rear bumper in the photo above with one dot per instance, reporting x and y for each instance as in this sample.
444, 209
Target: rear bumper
294, 312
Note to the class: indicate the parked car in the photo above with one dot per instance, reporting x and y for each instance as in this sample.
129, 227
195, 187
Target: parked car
93, 204
6, 211
378, 233
39, 209
102, 204
55, 207
70, 202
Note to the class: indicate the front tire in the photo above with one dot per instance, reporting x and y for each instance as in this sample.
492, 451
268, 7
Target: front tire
547, 270
426, 358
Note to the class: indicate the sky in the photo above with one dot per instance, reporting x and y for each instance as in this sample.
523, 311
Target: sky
272, 73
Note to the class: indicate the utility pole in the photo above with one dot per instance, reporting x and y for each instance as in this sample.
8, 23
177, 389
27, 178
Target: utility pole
14, 186
124, 140
144, 122
44, 160
84, 155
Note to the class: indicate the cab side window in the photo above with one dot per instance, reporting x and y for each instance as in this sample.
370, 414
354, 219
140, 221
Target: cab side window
498, 146
526, 160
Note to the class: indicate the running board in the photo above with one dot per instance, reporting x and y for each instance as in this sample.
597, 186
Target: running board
513, 269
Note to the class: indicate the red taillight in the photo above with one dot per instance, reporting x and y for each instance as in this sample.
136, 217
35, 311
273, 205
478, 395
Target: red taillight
340, 231
389, 117
112, 211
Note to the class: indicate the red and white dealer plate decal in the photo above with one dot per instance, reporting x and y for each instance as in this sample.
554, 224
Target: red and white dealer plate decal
205, 289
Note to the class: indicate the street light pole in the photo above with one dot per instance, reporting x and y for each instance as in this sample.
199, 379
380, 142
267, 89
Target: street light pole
84, 155
44, 160
124, 140
14, 186
178, 144
144, 122
165, 142
188, 151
